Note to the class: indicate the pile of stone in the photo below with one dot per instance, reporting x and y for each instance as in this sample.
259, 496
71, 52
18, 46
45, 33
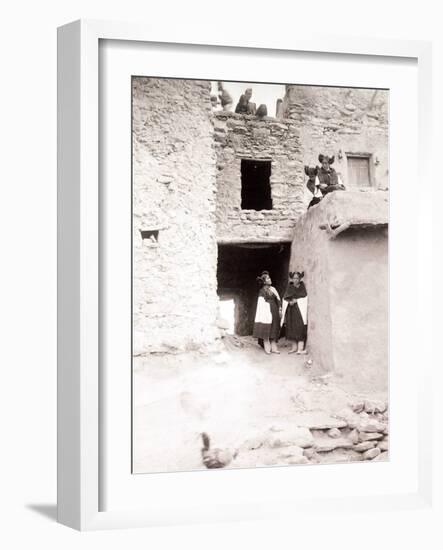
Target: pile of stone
368, 428
358, 433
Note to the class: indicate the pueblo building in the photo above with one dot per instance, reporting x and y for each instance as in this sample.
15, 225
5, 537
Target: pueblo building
219, 196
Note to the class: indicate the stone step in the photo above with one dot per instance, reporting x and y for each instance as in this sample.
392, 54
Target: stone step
327, 445
317, 420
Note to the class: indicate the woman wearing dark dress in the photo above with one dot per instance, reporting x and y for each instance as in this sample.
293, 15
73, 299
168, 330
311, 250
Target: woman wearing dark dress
268, 314
295, 316
329, 180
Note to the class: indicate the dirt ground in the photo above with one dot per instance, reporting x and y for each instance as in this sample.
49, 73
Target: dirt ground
270, 409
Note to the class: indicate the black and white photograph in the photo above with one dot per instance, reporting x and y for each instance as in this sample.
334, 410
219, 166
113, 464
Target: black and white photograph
259, 274
225, 331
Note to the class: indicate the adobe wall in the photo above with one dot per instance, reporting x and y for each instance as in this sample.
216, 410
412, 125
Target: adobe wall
309, 253
247, 137
187, 187
359, 298
346, 276
342, 119
174, 191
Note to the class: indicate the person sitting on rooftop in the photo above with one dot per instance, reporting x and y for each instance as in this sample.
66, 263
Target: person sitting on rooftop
224, 97
244, 105
313, 184
328, 178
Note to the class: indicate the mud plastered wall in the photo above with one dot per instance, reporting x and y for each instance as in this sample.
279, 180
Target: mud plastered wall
240, 137
347, 282
174, 196
359, 297
342, 122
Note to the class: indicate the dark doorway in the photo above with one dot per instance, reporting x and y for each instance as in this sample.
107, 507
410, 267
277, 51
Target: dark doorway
237, 269
256, 185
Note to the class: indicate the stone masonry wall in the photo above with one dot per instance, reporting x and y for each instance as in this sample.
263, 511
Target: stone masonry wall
247, 137
174, 193
349, 120
187, 198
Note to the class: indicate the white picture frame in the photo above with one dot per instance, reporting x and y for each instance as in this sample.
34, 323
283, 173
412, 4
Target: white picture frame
79, 368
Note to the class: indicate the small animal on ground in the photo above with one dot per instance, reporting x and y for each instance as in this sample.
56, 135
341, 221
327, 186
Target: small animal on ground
215, 458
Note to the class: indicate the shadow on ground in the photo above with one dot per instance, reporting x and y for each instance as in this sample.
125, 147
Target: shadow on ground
48, 511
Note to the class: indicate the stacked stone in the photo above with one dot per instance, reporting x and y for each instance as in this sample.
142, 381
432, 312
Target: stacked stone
341, 110
341, 119
362, 431
359, 433
240, 137
174, 190
370, 429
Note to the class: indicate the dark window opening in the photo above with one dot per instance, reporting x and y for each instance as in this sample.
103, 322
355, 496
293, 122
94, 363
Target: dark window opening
238, 266
150, 235
256, 185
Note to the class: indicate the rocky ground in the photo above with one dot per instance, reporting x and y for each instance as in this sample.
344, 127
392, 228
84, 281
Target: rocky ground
270, 410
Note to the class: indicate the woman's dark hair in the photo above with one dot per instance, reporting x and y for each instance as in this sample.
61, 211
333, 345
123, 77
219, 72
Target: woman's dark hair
260, 279
330, 160
300, 274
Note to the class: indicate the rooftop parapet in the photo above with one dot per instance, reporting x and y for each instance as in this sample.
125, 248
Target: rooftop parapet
342, 210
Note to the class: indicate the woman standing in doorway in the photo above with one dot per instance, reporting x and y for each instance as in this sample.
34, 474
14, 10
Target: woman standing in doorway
295, 316
268, 314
